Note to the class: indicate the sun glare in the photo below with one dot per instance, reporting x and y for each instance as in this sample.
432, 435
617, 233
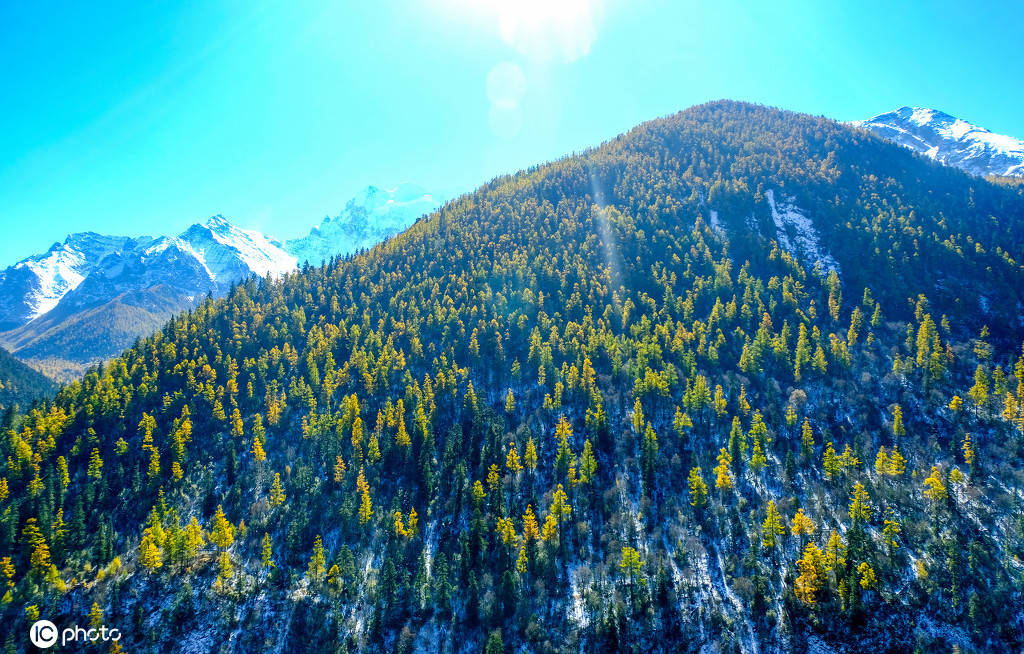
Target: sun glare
541, 29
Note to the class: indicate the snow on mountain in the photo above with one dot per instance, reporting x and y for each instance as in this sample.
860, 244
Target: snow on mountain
796, 233
35, 285
950, 140
229, 252
372, 216
87, 268
101, 292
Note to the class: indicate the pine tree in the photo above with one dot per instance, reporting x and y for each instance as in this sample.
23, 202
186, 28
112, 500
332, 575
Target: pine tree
630, 563
897, 464
802, 525
698, 489
968, 451
890, 529
564, 457
831, 464
860, 509
897, 422
867, 576
95, 616
495, 645
95, 470
193, 539
757, 457
531, 531
317, 562
772, 526
560, 508
737, 444
723, 481
225, 569
277, 496
530, 457
365, 504
588, 463
811, 568
882, 461
806, 440
934, 488
512, 461
150, 556
649, 457
222, 534
266, 552
979, 393
835, 551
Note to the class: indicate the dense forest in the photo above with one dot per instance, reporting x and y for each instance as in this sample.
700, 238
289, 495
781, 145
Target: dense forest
19, 384
605, 404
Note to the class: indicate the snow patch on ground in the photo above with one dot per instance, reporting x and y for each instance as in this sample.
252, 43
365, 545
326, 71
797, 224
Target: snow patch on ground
796, 233
715, 222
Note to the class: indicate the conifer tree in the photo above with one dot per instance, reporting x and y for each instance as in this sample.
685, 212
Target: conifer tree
806, 440
723, 481
860, 509
222, 534
530, 457
193, 539
802, 524
150, 556
934, 488
266, 552
831, 463
277, 496
698, 489
512, 461
317, 562
811, 568
772, 526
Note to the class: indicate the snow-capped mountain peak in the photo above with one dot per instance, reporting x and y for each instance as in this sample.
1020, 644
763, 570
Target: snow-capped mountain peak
230, 252
950, 140
373, 215
113, 289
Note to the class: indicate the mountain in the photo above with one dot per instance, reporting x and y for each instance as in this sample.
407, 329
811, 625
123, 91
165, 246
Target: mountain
35, 285
19, 384
370, 217
86, 299
950, 140
739, 380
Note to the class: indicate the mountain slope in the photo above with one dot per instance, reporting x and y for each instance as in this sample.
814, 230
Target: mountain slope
35, 285
665, 395
19, 384
950, 140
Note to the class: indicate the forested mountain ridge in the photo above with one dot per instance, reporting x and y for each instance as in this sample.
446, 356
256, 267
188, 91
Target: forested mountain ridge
20, 384
607, 403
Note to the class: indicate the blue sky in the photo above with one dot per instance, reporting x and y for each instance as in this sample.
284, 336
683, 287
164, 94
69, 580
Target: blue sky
144, 117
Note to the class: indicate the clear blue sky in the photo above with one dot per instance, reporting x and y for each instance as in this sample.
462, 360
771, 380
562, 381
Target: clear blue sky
143, 117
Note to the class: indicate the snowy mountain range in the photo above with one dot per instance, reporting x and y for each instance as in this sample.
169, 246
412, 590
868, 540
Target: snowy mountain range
86, 299
950, 140
372, 216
